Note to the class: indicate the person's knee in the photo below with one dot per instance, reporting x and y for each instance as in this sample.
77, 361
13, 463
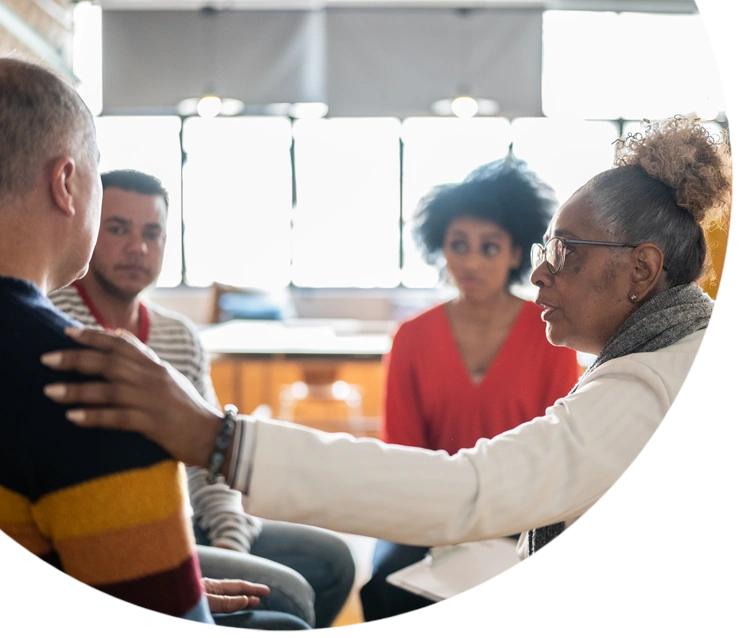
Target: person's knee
289, 591
338, 559
345, 562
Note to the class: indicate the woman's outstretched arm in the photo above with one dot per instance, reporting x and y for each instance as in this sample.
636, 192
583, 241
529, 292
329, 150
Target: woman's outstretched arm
547, 470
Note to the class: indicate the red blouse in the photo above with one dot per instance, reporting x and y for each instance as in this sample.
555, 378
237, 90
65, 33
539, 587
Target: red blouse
431, 401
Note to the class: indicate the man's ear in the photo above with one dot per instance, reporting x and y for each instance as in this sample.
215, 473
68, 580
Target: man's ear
647, 268
62, 174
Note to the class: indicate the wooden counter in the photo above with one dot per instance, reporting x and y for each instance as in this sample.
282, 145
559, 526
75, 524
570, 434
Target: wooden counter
258, 362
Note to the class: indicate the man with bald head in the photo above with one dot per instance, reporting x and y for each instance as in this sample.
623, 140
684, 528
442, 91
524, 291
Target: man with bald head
106, 508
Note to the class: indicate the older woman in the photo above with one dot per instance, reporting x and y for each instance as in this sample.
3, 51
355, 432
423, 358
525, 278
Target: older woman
616, 277
490, 366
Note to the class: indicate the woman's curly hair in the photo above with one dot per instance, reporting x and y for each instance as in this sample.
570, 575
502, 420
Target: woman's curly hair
504, 192
669, 185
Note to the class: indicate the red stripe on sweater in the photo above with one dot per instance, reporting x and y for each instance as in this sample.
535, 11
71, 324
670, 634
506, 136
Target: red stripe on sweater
174, 592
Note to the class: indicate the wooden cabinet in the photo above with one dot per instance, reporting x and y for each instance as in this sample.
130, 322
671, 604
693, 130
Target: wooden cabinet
352, 406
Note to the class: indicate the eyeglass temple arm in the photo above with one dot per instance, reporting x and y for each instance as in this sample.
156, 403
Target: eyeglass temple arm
600, 243
596, 243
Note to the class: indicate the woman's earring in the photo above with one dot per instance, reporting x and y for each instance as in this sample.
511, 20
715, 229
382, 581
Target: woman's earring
633, 298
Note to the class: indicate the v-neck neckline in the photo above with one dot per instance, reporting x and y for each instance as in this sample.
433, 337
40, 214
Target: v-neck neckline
142, 332
504, 346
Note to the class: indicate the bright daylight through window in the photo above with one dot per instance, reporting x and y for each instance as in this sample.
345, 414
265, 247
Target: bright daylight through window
269, 201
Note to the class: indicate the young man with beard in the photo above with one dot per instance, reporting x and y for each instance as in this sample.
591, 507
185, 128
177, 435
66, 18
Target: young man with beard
309, 571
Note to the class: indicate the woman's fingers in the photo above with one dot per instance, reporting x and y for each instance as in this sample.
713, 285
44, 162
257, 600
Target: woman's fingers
94, 363
122, 342
93, 393
111, 419
140, 394
188, 439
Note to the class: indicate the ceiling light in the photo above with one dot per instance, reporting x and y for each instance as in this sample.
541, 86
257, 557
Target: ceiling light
210, 105
465, 106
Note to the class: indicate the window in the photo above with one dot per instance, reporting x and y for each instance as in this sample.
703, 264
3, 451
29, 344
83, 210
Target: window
437, 151
580, 70
627, 65
237, 201
87, 54
270, 201
565, 153
151, 145
676, 78
346, 220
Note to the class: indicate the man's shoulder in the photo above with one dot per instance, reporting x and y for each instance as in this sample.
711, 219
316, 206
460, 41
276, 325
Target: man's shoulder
175, 339
40, 450
33, 324
167, 319
66, 298
68, 301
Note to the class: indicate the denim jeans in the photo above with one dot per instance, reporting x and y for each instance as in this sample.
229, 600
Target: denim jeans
200, 612
310, 571
379, 598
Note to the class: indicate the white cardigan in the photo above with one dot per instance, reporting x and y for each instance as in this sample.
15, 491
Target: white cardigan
550, 469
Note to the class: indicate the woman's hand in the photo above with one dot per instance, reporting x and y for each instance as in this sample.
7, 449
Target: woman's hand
228, 596
140, 393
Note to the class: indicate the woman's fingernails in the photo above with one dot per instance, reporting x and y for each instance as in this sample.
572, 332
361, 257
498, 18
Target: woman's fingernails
76, 416
73, 332
51, 359
55, 391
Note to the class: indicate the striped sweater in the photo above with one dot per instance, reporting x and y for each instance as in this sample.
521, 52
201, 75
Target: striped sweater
108, 508
217, 509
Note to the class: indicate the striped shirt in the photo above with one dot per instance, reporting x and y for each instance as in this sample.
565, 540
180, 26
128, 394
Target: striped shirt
217, 509
106, 507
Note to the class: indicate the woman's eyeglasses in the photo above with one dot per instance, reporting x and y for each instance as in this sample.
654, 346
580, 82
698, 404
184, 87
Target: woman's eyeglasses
554, 251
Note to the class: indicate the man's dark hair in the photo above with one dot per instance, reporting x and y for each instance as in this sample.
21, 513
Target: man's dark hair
135, 182
504, 192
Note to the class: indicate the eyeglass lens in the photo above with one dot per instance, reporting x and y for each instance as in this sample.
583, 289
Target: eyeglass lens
554, 254
537, 256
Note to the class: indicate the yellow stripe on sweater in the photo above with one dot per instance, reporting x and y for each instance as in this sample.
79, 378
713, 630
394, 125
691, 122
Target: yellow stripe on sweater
128, 554
17, 522
121, 500
14, 508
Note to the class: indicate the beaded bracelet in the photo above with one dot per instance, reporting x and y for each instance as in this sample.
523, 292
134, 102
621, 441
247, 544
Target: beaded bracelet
221, 445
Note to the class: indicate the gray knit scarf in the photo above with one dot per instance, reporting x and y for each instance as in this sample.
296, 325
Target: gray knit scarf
660, 322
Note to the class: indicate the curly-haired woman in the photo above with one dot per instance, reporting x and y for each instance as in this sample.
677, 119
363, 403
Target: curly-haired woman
480, 364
